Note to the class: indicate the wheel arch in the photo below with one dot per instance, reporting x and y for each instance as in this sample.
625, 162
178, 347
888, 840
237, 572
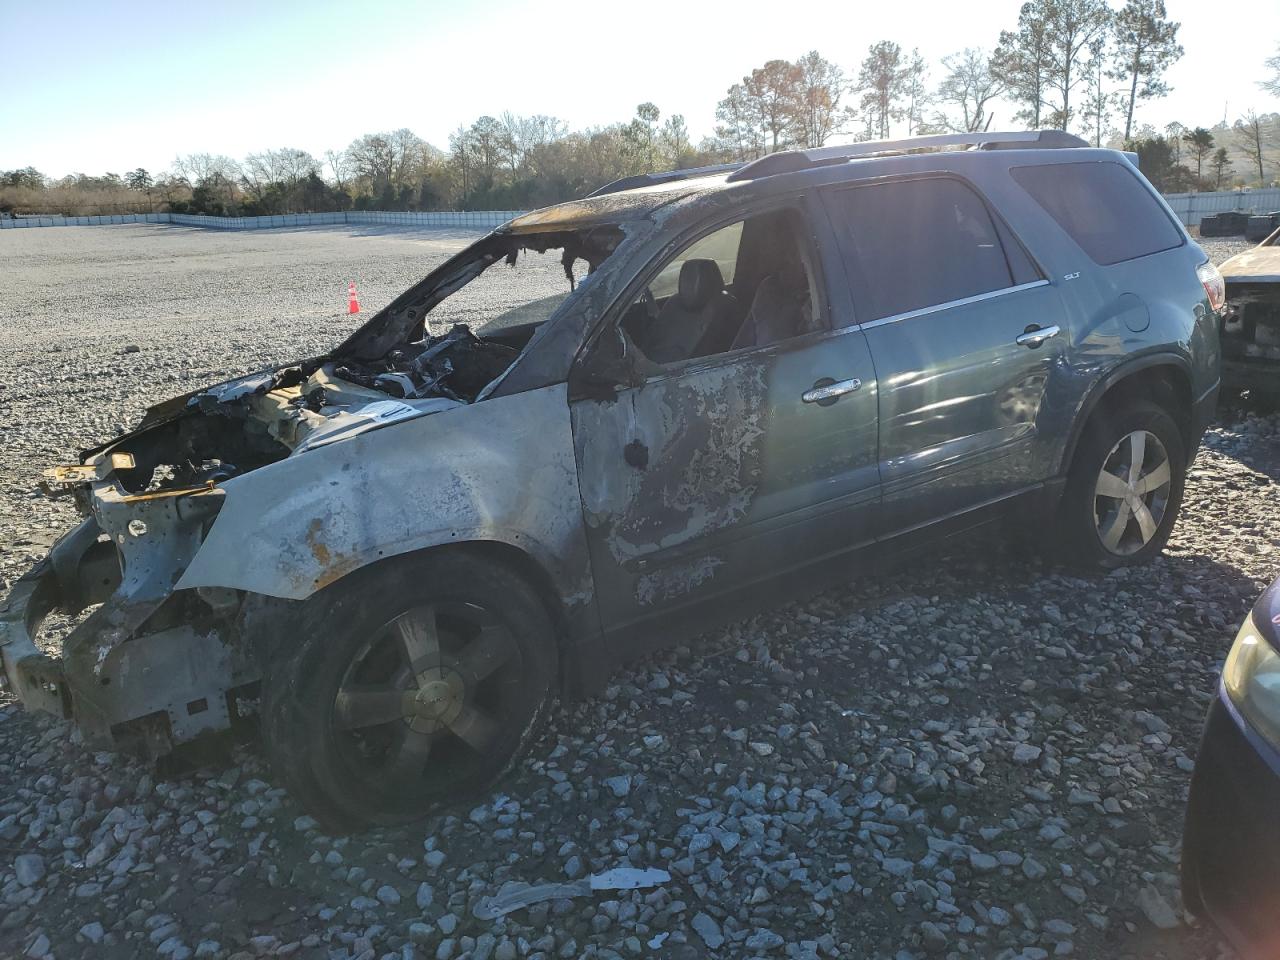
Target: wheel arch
1164, 378
582, 665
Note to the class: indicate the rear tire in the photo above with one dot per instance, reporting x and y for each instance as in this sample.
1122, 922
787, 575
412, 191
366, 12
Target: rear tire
414, 684
1124, 488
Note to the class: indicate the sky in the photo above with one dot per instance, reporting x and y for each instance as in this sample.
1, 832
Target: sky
92, 86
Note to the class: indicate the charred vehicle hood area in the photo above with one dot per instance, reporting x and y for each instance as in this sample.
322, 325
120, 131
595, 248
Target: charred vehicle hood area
1251, 322
238, 426
153, 664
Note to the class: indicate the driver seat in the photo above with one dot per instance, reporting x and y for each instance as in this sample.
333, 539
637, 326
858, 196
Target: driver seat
699, 302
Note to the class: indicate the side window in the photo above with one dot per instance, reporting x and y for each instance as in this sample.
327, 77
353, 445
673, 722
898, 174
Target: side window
917, 243
721, 246
748, 284
1103, 207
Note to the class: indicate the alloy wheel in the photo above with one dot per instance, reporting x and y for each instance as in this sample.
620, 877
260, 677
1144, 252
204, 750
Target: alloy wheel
422, 700
1131, 494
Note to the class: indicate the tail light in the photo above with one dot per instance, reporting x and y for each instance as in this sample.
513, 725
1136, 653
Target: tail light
1215, 287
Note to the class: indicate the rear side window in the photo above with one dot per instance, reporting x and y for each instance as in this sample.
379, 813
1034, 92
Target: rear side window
1103, 207
912, 244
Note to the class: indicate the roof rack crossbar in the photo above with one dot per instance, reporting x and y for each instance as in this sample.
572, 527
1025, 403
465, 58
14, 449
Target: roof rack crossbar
788, 160
665, 176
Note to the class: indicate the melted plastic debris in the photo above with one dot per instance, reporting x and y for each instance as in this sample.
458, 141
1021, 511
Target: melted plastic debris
519, 896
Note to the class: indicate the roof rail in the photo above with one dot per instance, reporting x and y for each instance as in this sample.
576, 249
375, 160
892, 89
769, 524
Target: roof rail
787, 161
666, 176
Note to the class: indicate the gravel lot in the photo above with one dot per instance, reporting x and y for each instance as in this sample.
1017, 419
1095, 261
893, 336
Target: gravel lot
978, 755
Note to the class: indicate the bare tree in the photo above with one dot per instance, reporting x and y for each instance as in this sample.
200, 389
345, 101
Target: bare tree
460, 156
286, 167
523, 137
675, 140
1075, 26
1021, 64
372, 158
1098, 100
339, 167
1272, 83
485, 139
915, 91
817, 113
1146, 44
771, 92
759, 112
1173, 131
737, 131
882, 81
1041, 62
196, 168
1256, 138
969, 86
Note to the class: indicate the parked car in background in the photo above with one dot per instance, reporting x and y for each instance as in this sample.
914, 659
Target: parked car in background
1231, 850
1251, 321
725, 385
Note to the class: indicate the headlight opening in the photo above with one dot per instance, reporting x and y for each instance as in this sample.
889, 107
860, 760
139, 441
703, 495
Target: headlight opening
1252, 678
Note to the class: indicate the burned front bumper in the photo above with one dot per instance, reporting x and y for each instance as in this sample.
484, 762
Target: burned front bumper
77, 573
1231, 849
142, 672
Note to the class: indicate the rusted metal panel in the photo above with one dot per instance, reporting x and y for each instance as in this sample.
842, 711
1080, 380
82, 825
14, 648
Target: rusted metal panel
1259, 265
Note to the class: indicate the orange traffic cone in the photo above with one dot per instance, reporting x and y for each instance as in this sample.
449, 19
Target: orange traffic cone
353, 305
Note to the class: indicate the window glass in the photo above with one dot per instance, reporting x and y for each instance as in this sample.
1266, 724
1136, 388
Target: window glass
917, 243
748, 284
721, 246
1103, 207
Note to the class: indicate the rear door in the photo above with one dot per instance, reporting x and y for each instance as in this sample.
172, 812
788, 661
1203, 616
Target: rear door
967, 338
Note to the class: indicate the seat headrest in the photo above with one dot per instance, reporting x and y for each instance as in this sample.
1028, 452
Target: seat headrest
700, 281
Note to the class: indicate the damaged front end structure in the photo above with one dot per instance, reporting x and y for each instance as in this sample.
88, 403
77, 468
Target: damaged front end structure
149, 667
183, 616
1251, 321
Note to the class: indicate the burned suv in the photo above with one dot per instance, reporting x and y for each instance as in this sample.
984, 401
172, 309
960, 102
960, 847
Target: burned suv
712, 388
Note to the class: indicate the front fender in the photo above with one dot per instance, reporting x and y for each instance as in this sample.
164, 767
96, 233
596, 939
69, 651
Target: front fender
501, 470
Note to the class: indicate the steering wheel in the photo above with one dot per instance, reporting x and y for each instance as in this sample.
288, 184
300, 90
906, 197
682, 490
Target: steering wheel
650, 304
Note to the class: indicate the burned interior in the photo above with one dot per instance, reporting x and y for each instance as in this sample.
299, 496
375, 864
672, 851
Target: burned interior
438, 346
748, 283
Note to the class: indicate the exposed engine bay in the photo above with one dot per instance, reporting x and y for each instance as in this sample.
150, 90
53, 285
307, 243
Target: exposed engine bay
395, 368
247, 423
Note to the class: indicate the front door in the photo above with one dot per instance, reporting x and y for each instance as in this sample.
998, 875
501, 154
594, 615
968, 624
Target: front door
749, 451
967, 337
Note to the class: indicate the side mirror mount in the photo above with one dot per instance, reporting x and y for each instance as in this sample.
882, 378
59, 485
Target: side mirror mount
611, 362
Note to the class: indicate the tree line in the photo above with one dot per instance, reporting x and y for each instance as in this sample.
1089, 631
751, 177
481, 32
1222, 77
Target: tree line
1078, 65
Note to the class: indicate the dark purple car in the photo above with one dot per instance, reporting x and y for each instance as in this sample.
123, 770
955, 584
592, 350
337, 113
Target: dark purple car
1231, 851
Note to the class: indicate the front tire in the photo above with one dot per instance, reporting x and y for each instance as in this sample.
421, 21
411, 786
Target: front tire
414, 683
1124, 488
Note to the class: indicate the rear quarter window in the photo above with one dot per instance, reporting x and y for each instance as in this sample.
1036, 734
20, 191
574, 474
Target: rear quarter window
913, 244
1103, 207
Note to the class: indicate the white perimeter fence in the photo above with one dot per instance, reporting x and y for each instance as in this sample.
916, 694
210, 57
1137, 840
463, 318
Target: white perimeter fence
1191, 207
477, 219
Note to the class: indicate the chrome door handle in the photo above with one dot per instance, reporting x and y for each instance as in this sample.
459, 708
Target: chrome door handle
827, 391
1034, 337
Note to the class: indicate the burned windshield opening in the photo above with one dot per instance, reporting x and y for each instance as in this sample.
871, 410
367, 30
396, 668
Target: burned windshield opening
522, 280
446, 340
